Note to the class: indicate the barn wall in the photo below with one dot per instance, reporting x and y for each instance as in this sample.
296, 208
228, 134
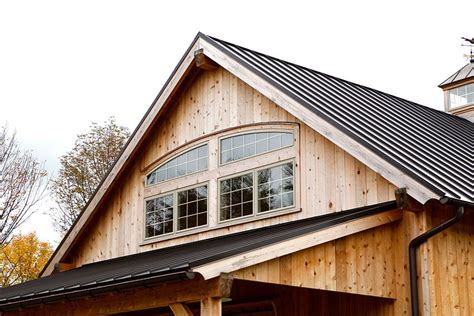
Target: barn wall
331, 179
369, 263
447, 277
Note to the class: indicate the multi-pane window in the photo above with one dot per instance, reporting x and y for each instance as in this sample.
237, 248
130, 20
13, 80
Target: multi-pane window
236, 197
177, 191
159, 216
274, 190
461, 96
189, 162
192, 207
248, 145
275, 187
176, 211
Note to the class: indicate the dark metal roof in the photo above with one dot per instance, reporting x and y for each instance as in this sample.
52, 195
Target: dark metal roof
433, 147
171, 262
465, 72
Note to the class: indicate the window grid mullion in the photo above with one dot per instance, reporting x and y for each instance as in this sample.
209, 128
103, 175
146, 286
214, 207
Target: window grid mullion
255, 193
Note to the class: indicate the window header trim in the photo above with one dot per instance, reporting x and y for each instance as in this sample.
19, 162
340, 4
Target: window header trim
205, 138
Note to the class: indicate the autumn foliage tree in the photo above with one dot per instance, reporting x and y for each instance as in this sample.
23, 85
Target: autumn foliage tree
83, 168
23, 183
22, 259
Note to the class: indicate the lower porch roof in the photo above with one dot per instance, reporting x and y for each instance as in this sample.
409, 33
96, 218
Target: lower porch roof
171, 263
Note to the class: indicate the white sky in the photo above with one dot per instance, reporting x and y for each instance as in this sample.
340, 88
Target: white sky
64, 64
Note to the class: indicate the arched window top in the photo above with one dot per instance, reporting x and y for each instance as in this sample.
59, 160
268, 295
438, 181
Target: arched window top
191, 161
251, 144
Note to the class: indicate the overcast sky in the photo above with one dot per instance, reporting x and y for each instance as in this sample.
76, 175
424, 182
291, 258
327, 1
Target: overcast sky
64, 64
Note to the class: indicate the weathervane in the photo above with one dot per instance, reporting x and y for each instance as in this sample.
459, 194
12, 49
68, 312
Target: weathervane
470, 56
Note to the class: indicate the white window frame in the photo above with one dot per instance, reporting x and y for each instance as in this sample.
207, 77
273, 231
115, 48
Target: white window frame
184, 151
175, 231
252, 131
255, 212
456, 106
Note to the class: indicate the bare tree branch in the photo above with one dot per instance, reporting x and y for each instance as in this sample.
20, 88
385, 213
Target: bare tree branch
23, 183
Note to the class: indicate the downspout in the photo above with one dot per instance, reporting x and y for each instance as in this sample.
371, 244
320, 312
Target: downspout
416, 242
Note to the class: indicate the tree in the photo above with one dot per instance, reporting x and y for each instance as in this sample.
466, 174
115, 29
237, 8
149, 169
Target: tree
83, 168
22, 259
23, 183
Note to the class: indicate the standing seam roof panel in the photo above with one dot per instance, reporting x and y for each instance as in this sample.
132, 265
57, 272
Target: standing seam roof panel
434, 147
310, 96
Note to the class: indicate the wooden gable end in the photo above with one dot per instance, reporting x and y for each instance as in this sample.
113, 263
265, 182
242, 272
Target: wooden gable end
214, 101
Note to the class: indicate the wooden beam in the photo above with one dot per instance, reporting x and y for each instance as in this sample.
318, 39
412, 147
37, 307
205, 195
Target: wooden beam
280, 249
223, 287
160, 295
180, 309
211, 306
204, 62
277, 306
62, 266
406, 203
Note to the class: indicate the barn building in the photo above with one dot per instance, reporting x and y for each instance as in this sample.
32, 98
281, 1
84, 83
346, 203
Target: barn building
255, 186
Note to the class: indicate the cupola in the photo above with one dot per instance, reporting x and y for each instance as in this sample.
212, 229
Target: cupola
459, 90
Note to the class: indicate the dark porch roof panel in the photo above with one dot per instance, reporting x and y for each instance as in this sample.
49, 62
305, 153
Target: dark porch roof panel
433, 147
172, 261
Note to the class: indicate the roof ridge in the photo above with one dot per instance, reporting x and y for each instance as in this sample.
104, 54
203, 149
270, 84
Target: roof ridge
348, 81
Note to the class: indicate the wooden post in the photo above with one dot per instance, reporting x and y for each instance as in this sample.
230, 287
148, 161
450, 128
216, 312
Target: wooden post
211, 306
180, 309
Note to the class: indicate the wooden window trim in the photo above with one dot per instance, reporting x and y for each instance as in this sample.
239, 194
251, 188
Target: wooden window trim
222, 133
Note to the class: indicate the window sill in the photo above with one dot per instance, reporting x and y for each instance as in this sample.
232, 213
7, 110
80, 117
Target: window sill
234, 222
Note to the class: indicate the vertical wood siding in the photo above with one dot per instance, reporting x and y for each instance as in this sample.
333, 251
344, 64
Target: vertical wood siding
363, 263
450, 267
332, 179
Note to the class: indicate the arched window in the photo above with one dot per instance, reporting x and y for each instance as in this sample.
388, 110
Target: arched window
230, 177
247, 145
192, 161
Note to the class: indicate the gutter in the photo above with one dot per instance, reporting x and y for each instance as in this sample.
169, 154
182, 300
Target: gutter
417, 241
73, 294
